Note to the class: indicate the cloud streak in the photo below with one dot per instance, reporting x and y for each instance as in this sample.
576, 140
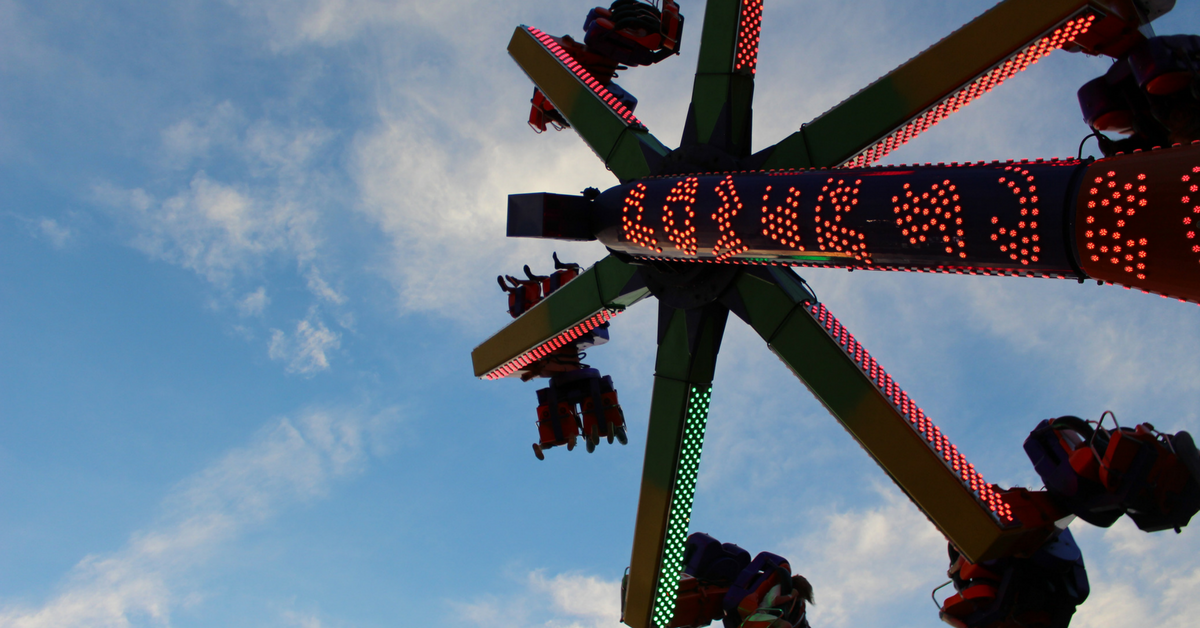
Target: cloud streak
288, 462
306, 350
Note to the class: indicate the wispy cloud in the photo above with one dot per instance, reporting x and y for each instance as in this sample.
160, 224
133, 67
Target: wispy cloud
254, 303
863, 561
193, 137
221, 227
305, 351
567, 600
1138, 578
439, 194
57, 234
320, 288
292, 23
288, 462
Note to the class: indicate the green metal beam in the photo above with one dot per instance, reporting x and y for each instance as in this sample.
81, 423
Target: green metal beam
879, 415
626, 147
687, 353
723, 90
903, 94
609, 285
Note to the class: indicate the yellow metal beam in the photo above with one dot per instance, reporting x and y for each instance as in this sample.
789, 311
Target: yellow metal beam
606, 126
938, 81
608, 286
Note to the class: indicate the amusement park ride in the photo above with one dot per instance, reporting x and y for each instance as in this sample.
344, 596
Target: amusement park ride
710, 227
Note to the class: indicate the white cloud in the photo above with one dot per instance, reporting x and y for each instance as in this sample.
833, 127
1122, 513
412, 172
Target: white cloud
318, 286
585, 600
1138, 578
291, 23
286, 463
254, 303
305, 350
864, 561
1118, 343
195, 136
302, 620
226, 229
569, 600
214, 229
57, 234
440, 197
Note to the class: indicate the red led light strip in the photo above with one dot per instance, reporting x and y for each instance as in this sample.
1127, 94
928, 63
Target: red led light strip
730, 205
1024, 237
1116, 203
632, 227
945, 270
917, 421
783, 226
559, 341
889, 168
586, 78
749, 29
680, 230
1187, 200
832, 236
919, 227
1003, 71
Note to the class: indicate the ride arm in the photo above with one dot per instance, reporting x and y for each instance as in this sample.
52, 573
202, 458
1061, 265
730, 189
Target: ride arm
580, 305
950, 74
979, 519
609, 129
688, 343
723, 90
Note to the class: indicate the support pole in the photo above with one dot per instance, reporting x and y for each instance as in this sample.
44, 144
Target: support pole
688, 342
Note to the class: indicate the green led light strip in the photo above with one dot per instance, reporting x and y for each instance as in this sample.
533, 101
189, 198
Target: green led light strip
681, 504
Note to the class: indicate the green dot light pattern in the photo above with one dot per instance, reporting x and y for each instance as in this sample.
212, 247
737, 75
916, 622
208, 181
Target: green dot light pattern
681, 504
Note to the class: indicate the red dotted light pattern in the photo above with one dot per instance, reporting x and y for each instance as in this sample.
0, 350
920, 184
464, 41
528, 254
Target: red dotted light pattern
1020, 243
916, 419
731, 204
1192, 196
749, 30
586, 78
831, 235
1111, 206
782, 224
932, 218
942, 270
514, 366
632, 212
1003, 71
807, 235
681, 229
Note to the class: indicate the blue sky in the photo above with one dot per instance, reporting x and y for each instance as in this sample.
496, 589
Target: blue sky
247, 246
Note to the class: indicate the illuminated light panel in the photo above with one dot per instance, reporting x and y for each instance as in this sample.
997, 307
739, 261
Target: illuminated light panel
945, 270
782, 224
1020, 243
1191, 218
1110, 237
562, 339
696, 418
749, 29
832, 236
932, 218
1006, 69
921, 424
586, 78
632, 211
681, 229
730, 205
